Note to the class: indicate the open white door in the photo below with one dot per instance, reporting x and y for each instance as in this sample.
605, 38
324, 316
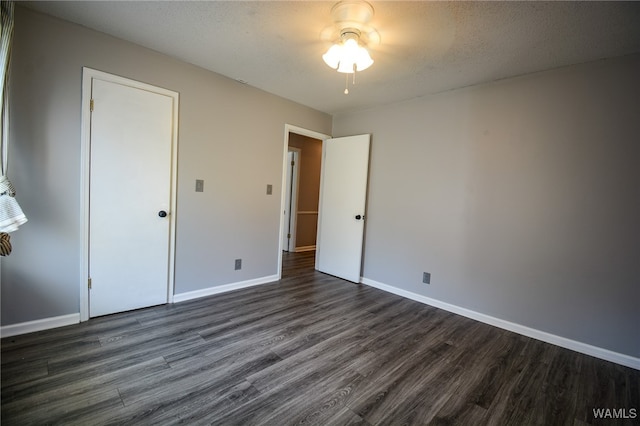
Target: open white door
343, 196
130, 207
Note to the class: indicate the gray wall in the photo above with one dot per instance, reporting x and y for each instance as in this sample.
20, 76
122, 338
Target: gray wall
231, 135
522, 198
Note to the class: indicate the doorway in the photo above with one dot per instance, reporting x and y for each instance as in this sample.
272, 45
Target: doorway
303, 205
344, 166
306, 193
129, 145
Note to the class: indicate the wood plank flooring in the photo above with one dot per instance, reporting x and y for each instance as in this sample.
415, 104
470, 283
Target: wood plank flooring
308, 349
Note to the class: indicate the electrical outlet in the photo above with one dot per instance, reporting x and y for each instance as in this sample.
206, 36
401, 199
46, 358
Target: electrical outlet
238, 264
426, 278
199, 185
269, 189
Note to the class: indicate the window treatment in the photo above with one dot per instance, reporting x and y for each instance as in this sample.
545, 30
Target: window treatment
11, 215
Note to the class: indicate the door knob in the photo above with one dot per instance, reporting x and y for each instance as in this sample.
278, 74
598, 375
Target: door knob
358, 217
162, 213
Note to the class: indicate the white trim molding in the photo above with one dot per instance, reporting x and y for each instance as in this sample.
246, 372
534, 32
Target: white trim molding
190, 295
605, 354
39, 325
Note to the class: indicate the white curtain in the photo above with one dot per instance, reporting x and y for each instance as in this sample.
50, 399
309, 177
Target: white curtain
11, 215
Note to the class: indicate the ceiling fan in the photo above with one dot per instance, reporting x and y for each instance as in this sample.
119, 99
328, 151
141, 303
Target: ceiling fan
350, 34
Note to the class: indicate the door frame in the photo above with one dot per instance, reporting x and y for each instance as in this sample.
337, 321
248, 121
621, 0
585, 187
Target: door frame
293, 189
288, 128
88, 74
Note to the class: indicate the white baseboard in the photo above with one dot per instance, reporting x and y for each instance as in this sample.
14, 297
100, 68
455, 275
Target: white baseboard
39, 325
305, 248
181, 297
563, 342
61, 321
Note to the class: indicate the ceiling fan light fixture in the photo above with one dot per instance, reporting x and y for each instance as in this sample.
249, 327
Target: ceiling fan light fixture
349, 54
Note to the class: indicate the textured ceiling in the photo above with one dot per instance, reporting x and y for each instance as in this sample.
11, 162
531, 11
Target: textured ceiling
425, 48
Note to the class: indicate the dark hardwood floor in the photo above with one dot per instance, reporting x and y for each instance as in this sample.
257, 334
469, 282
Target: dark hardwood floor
309, 349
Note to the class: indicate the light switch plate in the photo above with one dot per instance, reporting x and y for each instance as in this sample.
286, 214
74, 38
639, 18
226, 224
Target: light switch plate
269, 189
199, 185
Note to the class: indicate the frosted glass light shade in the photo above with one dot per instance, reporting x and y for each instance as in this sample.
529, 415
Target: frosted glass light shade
332, 57
348, 57
363, 60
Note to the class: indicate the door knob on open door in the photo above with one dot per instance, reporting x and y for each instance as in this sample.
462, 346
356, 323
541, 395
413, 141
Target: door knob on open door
162, 213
